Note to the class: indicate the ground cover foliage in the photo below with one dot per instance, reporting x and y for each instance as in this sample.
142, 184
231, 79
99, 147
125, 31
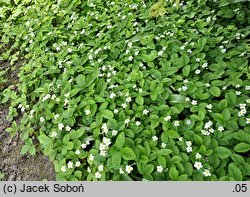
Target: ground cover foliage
131, 90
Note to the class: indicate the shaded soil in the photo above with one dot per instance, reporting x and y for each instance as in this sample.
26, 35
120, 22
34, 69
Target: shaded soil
13, 165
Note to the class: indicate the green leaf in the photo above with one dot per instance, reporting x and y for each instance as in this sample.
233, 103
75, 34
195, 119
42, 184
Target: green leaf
162, 161
215, 91
153, 95
128, 154
25, 149
154, 119
231, 98
139, 100
186, 70
222, 152
80, 80
78, 174
116, 160
148, 169
164, 152
242, 147
173, 134
44, 140
107, 114
175, 159
176, 98
120, 140
235, 172
173, 173
70, 146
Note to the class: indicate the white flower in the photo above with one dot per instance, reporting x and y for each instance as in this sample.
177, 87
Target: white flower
42, 119
248, 121
145, 111
189, 149
60, 126
70, 50
167, 118
103, 153
104, 128
130, 44
208, 124
194, 102
204, 132
63, 169
159, 168
207, 173
220, 128
98, 175
238, 93
130, 58
100, 168
68, 128
247, 88
127, 121
91, 157
77, 152
242, 112
53, 134
70, 164
223, 50
188, 122
154, 138
160, 53
197, 71
198, 60
211, 130
106, 141
198, 165
116, 111
82, 32
128, 168
176, 123
184, 88
137, 123
243, 106
207, 84
84, 145
182, 47
121, 171
22, 109
78, 163
112, 95
188, 143
180, 139
56, 116
128, 99
163, 145
124, 105
88, 170
204, 65
66, 101
198, 156
209, 106
87, 112
114, 132
185, 81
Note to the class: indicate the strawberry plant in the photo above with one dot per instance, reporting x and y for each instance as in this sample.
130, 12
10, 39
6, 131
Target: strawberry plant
112, 93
